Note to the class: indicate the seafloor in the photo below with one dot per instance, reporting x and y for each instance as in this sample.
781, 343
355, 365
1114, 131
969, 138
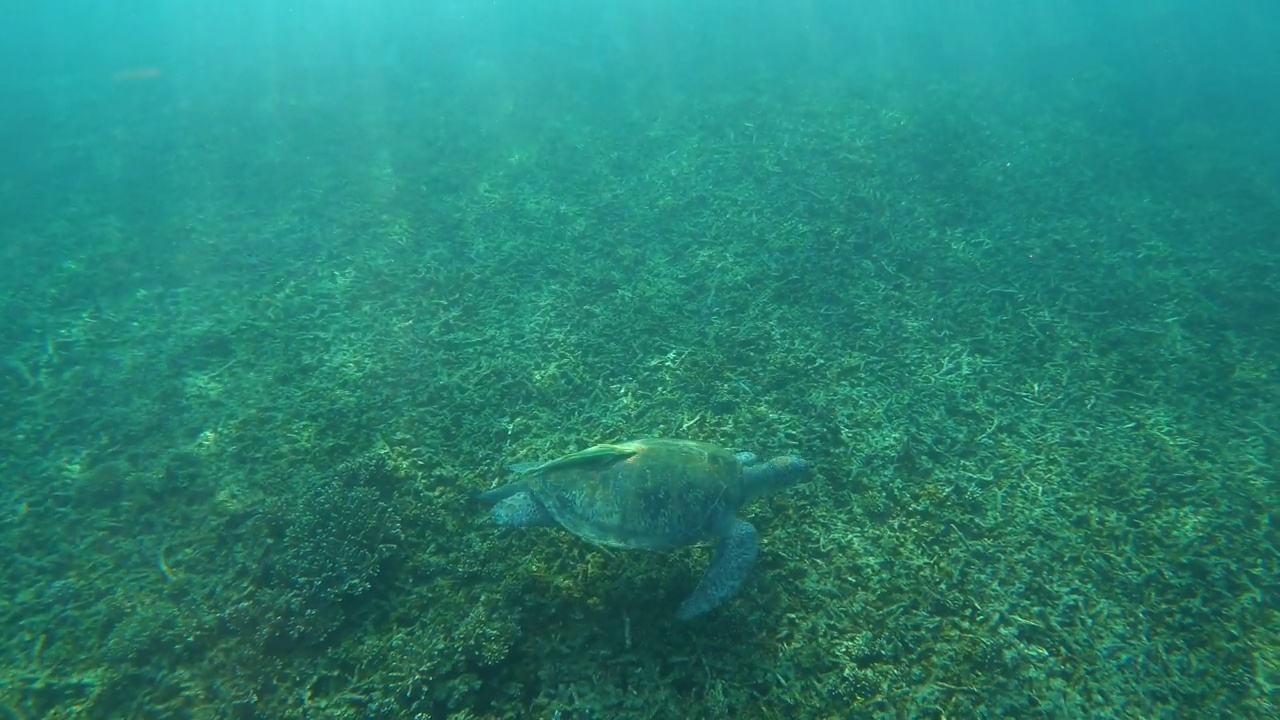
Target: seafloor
257, 357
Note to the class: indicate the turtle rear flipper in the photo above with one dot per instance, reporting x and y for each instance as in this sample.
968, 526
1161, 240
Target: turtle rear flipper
520, 510
502, 492
513, 506
734, 556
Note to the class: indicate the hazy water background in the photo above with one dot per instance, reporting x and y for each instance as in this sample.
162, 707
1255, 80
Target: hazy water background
283, 284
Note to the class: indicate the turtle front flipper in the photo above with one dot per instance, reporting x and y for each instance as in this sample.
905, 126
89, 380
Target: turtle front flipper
734, 556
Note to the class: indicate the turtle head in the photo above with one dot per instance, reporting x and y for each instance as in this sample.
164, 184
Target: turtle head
776, 474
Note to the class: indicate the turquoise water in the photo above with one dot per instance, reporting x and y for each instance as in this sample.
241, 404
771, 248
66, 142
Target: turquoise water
283, 287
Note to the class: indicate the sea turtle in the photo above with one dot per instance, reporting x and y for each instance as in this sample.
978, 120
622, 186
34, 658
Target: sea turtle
654, 494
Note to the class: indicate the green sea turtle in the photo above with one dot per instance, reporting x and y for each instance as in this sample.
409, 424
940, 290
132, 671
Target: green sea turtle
653, 494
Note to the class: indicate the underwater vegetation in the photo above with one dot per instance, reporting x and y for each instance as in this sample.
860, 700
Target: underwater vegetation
1036, 382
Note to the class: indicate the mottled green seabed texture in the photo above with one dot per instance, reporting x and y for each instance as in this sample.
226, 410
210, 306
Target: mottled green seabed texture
249, 392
